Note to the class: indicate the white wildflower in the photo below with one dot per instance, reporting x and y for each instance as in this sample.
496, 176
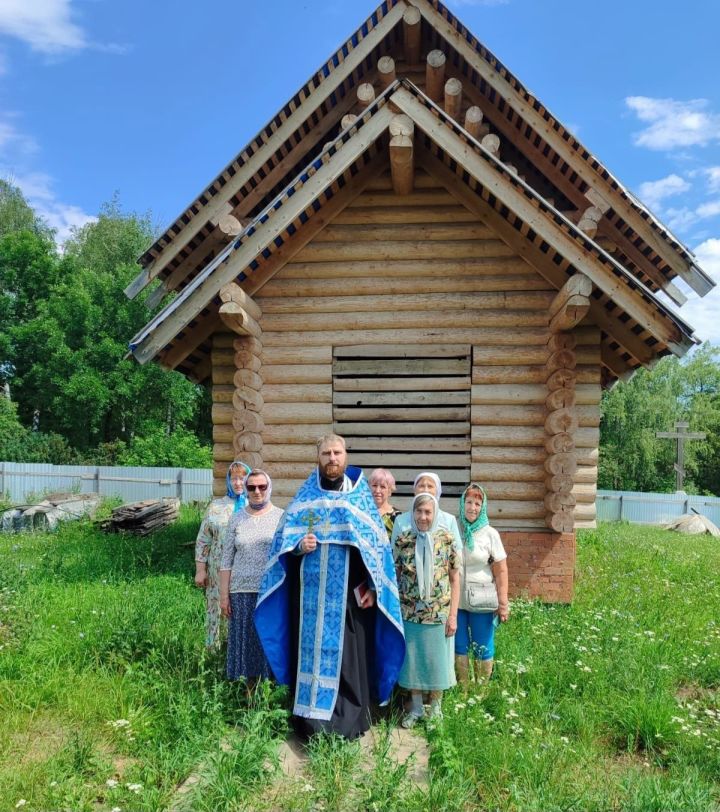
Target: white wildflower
111, 782
20, 803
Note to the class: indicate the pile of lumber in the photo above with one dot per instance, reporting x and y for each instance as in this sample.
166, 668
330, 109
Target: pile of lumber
143, 517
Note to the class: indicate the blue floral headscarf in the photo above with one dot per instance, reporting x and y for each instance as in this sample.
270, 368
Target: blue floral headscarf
482, 520
240, 498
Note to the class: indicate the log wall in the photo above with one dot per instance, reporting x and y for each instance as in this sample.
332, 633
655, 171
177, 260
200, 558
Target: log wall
418, 271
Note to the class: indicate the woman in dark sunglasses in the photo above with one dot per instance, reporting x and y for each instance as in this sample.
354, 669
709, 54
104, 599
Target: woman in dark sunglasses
245, 552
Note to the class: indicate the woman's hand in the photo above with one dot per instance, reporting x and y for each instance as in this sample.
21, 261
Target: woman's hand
225, 609
503, 612
201, 579
308, 543
451, 625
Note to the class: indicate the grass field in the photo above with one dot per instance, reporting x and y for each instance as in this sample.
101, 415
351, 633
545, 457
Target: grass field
107, 701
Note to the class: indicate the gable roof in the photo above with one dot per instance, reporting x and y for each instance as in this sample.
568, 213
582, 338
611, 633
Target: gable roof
556, 162
638, 326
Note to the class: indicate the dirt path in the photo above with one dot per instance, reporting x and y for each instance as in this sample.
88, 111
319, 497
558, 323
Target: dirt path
405, 746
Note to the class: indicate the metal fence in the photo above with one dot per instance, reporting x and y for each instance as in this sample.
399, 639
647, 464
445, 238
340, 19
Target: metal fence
653, 508
21, 481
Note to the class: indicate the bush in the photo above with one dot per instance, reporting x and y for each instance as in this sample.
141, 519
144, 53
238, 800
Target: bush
181, 449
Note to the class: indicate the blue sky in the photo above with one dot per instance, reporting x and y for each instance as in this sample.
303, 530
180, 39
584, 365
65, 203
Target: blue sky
151, 99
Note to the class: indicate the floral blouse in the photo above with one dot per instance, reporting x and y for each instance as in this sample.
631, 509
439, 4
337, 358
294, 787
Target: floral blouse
447, 557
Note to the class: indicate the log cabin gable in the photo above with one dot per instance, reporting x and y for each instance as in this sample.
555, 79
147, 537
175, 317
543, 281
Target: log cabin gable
636, 325
400, 33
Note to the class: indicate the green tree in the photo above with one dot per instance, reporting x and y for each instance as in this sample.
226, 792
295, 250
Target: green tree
631, 456
16, 215
68, 345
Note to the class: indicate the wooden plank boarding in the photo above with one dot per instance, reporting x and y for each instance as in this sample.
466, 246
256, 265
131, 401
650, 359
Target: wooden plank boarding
406, 407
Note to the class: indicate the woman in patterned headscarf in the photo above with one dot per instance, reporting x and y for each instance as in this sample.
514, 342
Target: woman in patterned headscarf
427, 562
208, 547
484, 562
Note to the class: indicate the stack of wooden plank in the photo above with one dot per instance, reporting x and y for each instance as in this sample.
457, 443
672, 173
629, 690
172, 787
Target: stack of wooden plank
143, 517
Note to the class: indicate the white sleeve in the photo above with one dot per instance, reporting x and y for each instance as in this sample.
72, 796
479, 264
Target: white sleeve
497, 551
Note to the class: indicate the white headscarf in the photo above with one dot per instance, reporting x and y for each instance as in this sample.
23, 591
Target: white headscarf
434, 477
424, 547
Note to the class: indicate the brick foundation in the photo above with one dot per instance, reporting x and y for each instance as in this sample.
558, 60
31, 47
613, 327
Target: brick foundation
541, 564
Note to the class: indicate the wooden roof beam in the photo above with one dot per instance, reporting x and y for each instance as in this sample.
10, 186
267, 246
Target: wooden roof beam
196, 296
386, 72
571, 304
632, 301
401, 154
692, 275
232, 292
301, 113
236, 319
474, 123
453, 98
412, 34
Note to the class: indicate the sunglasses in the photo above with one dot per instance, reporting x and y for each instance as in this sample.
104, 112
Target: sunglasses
260, 488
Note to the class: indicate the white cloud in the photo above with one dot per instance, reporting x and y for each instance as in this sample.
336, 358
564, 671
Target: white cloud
713, 178
37, 187
45, 25
709, 209
702, 314
673, 123
63, 218
653, 192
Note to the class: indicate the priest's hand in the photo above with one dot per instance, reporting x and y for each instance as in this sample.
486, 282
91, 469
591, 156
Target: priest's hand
308, 543
368, 599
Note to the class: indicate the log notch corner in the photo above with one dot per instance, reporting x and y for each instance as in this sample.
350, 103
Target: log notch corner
237, 385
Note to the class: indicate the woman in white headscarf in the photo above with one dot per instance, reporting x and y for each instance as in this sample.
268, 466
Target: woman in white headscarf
429, 482
427, 561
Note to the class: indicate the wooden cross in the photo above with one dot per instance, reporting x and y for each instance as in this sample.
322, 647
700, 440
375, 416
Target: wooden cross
680, 434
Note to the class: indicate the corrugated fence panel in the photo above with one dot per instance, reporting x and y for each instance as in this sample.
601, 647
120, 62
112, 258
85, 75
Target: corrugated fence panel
21, 482
653, 508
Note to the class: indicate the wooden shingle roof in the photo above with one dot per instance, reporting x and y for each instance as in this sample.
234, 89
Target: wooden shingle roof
637, 324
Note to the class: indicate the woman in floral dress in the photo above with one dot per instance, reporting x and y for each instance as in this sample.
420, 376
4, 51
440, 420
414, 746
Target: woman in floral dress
208, 547
427, 560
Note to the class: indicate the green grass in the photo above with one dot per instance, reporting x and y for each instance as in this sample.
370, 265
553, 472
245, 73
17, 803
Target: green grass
107, 699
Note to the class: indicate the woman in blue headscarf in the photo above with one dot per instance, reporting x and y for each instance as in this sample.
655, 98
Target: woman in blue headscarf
427, 561
484, 562
208, 547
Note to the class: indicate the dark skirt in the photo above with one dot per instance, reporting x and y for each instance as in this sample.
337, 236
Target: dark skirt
245, 655
351, 715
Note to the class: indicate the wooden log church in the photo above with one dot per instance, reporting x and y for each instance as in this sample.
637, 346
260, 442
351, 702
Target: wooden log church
416, 254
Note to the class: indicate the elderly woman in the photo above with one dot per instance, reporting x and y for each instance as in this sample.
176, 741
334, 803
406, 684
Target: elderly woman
245, 553
208, 547
484, 564
382, 485
427, 562
429, 482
